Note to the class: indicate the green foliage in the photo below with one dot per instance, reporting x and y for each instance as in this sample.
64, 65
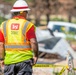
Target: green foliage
57, 19
70, 36
74, 21
10, 1
1, 20
29, 0
61, 19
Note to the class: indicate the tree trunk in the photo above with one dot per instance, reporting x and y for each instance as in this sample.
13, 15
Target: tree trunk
37, 21
48, 17
70, 18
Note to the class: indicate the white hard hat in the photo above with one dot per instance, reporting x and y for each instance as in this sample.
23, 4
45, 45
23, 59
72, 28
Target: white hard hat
20, 5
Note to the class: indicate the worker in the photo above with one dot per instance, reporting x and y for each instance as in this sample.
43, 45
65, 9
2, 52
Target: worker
1, 51
20, 43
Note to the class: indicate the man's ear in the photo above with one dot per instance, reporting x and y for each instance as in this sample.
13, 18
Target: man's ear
26, 14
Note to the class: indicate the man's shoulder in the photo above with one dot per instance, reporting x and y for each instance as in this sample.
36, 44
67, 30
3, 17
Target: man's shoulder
4, 21
30, 23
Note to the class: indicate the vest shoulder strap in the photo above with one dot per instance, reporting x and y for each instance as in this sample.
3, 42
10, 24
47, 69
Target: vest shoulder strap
4, 27
24, 28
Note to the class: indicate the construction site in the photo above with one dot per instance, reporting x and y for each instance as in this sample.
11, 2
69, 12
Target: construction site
57, 55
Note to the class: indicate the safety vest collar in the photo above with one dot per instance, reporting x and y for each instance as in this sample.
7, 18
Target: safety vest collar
18, 17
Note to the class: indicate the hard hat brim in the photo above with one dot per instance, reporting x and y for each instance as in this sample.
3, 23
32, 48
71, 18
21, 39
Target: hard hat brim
18, 10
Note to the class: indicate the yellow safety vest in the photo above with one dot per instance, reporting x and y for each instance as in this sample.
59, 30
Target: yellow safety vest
16, 46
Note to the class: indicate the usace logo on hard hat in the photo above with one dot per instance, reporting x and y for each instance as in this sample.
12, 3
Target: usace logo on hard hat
15, 26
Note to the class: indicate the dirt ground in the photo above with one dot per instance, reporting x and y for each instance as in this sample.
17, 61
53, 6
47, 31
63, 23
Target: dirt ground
46, 70
53, 70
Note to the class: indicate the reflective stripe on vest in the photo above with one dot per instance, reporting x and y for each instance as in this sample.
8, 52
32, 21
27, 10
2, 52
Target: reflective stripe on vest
16, 46
23, 32
4, 28
24, 29
25, 26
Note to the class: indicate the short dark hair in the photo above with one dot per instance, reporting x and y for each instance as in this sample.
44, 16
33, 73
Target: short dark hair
16, 13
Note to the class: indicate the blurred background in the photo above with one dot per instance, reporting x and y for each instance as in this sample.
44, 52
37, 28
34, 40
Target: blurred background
42, 12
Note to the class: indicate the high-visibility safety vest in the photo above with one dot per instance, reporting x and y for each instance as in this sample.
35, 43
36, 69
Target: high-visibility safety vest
17, 48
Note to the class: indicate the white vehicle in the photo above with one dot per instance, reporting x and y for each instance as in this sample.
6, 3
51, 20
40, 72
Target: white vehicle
63, 29
53, 45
